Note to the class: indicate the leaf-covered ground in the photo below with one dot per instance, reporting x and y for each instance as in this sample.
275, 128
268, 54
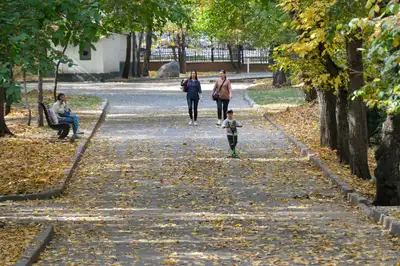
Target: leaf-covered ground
302, 123
14, 238
34, 160
151, 190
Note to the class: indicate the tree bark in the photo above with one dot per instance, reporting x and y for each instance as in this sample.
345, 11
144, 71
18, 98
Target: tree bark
231, 57
134, 54
138, 55
239, 59
327, 123
8, 107
40, 100
387, 172
56, 75
125, 73
174, 53
279, 78
149, 42
343, 151
182, 52
357, 117
2, 119
27, 102
3, 126
310, 95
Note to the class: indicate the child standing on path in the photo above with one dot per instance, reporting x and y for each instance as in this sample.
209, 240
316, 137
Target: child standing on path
231, 126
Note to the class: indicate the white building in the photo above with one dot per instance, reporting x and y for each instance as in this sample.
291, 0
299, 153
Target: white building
99, 64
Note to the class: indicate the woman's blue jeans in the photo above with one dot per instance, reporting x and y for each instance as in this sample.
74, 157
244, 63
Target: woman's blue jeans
73, 119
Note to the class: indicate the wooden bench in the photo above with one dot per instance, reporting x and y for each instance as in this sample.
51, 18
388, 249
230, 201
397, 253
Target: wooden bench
62, 128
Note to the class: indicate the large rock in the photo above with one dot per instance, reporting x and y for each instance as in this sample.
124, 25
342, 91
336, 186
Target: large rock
169, 70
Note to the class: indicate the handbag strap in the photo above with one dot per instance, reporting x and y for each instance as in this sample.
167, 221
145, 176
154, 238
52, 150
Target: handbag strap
220, 87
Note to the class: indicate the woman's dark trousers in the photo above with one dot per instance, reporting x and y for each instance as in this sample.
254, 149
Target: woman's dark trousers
193, 104
222, 105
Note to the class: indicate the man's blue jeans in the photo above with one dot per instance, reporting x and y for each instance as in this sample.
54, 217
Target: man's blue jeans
73, 119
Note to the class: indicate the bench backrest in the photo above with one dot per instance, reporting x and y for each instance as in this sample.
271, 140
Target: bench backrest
46, 114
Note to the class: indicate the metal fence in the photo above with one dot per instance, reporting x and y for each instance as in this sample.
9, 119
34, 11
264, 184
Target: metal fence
212, 55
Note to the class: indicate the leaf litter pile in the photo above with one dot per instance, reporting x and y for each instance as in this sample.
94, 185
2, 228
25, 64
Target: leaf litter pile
165, 194
13, 240
34, 160
302, 123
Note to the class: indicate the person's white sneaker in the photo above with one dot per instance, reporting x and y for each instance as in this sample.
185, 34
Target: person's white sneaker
190, 122
195, 123
219, 122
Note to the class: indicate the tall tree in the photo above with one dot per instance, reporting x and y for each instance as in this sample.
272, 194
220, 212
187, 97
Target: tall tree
125, 73
357, 115
147, 55
381, 91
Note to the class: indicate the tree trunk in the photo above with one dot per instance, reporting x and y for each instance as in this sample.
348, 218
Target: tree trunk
138, 55
357, 117
134, 54
27, 102
40, 100
2, 119
182, 53
327, 120
125, 73
178, 41
149, 41
8, 107
231, 57
310, 95
239, 59
183, 67
56, 75
3, 127
343, 151
174, 53
279, 78
387, 172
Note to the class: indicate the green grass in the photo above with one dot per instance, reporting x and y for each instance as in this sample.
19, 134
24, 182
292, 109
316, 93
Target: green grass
74, 101
272, 96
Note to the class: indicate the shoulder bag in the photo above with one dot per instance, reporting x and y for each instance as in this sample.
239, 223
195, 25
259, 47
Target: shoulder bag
215, 96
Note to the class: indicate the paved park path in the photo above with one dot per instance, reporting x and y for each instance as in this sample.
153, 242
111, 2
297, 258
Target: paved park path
151, 190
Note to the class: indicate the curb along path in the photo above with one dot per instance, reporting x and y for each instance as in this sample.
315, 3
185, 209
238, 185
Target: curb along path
55, 192
37, 246
353, 198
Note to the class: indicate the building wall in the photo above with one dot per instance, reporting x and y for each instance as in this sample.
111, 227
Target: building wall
112, 53
95, 65
105, 59
122, 49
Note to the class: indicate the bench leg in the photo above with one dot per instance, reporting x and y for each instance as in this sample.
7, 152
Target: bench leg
64, 133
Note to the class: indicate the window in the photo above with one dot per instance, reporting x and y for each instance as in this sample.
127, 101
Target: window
86, 54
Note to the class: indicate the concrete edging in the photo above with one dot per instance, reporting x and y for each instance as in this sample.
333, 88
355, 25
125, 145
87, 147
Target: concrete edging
352, 197
68, 172
37, 246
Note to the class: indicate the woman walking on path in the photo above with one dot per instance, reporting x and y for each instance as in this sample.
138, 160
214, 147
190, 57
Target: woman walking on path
193, 91
222, 93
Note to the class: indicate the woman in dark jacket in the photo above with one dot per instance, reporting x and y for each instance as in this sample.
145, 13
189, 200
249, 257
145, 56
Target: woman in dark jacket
193, 94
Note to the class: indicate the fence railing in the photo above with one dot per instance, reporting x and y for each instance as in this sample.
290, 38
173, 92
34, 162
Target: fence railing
212, 55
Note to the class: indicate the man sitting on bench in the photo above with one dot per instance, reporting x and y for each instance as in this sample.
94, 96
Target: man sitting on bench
60, 107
